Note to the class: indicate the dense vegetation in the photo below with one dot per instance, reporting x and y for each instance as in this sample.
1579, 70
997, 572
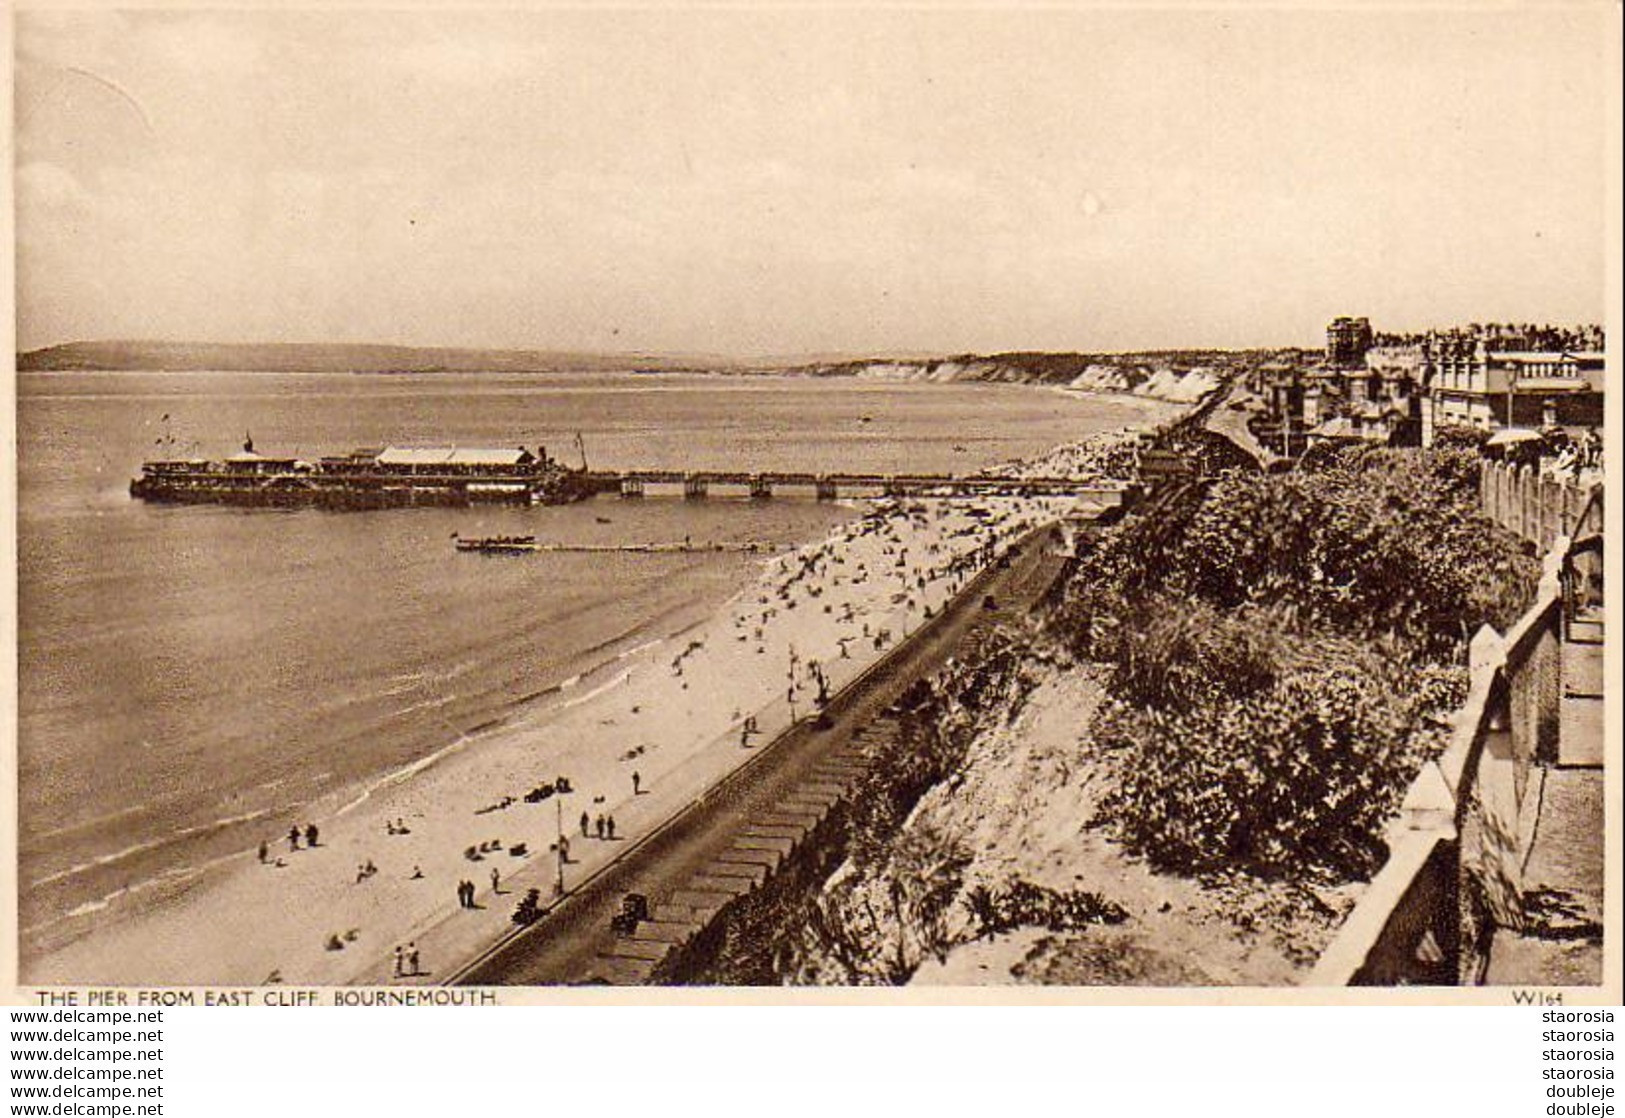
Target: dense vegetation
1283, 646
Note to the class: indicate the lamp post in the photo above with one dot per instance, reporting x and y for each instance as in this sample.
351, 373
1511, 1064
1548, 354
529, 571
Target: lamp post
558, 883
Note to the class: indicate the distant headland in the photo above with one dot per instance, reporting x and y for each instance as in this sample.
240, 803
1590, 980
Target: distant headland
339, 357
1140, 372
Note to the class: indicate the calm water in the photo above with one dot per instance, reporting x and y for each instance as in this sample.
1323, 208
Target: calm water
192, 677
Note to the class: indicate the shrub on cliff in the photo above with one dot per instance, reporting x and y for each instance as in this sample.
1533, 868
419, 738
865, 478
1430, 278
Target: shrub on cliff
875, 923
1295, 779
1119, 568
1022, 904
1278, 644
1460, 436
1185, 653
1374, 541
1383, 544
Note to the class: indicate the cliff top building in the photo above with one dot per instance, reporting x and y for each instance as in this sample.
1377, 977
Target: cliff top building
1347, 340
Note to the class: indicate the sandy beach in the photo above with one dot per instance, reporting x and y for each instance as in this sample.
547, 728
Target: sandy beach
669, 717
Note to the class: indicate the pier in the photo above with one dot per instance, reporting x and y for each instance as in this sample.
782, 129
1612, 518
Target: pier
518, 545
697, 485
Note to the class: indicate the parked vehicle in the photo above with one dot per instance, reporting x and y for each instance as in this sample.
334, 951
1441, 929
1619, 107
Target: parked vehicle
634, 910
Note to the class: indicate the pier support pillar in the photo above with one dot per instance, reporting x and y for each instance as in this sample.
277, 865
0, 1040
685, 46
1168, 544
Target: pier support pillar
760, 488
825, 488
694, 488
631, 486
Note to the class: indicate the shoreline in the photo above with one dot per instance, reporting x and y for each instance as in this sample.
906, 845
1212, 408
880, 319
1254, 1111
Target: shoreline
434, 792
176, 882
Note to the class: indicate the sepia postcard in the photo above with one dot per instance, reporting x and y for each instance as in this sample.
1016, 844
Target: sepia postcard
795, 503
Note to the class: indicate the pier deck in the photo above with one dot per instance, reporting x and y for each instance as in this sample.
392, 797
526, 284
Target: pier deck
697, 484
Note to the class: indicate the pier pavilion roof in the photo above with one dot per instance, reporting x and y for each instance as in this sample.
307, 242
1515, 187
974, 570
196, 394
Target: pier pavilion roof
453, 456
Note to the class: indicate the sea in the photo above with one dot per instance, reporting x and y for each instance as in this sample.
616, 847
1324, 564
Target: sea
192, 679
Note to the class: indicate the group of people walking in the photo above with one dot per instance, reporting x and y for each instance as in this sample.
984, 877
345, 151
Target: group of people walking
603, 826
308, 834
406, 961
466, 889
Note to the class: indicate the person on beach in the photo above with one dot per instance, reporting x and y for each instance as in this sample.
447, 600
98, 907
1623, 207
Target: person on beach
293, 838
417, 873
400, 961
310, 836
585, 823
609, 827
637, 781
598, 825
496, 880
413, 969
265, 853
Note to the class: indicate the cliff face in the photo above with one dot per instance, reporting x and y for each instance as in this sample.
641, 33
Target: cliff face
1026, 803
1001, 873
1180, 378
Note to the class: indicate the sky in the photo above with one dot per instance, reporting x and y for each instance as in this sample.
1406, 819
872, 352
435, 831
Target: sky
813, 181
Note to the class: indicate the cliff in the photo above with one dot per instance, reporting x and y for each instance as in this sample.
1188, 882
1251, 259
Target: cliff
1182, 376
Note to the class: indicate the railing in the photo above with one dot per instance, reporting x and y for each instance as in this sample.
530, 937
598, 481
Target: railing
1456, 851
1537, 508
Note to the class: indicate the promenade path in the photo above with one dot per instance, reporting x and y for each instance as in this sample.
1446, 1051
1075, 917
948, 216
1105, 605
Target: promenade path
1229, 418
1563, 876
574, 944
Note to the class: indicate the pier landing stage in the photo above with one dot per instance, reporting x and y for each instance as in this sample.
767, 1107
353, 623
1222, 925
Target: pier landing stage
697, 484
